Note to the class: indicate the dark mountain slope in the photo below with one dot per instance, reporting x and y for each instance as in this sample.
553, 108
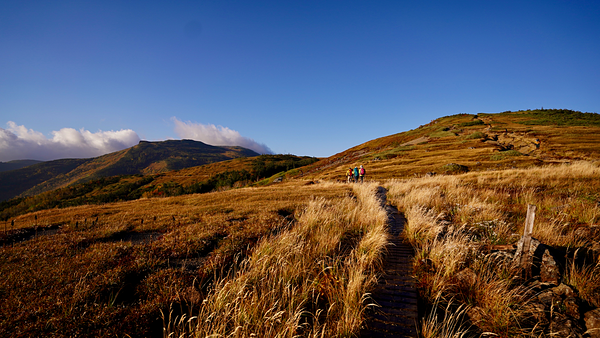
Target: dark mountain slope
144, 158
16, 164
14, 182
157, 157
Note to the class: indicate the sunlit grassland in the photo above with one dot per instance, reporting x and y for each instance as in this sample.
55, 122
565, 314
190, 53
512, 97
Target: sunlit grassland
111, 269
310, 281
452, 219
481, 142
425, 158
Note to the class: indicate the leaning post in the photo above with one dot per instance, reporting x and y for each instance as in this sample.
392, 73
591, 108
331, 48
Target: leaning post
527, 235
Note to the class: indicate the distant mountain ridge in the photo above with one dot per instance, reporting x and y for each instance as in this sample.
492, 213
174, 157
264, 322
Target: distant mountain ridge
16, 164
143, 158
236, 173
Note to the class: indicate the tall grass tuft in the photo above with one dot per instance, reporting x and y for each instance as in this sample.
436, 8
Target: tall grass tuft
450, 325
586, 280
310, 281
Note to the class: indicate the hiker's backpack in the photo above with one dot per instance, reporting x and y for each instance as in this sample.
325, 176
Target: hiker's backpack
362, 171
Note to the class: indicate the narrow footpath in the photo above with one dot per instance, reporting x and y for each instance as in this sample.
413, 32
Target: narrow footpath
395, 292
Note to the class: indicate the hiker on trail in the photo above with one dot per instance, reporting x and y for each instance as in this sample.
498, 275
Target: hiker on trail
349, 174
361, 173
355, 174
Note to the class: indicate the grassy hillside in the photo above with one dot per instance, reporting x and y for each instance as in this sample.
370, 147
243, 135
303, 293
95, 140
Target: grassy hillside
201, 179
144, 158
475, 143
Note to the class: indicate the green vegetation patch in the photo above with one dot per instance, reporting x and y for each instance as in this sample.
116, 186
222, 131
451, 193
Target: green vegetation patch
505, 154
454, 168
440, 134
476, 135
269, 165
392, 153
560, 117
263, 168
472, 123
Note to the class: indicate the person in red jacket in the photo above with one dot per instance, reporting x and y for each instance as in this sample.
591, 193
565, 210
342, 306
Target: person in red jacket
361, 173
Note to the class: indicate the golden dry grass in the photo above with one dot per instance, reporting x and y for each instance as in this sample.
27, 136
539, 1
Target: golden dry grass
450, 325
586, 280
308, 281
105, 272
284, 260
450, 220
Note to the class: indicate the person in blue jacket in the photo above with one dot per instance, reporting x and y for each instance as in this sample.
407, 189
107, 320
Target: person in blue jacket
356, 174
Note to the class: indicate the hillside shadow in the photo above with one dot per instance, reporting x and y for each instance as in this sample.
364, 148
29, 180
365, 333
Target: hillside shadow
25, 234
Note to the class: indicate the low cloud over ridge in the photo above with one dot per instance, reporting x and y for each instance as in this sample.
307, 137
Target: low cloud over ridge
217, 136
18, 142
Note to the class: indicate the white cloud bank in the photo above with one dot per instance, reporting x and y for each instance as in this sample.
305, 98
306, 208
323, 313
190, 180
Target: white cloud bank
18, 143
217, 136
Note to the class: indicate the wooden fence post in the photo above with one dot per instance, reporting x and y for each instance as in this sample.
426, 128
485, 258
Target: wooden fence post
527, 235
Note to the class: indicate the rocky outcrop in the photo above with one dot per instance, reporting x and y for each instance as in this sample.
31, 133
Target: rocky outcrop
549, 270
555, 309
592, 323
558, 309
541, 262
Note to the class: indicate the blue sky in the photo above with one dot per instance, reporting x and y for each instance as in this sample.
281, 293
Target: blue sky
301, 77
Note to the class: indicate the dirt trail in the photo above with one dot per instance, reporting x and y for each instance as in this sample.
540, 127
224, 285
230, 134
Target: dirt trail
395, 292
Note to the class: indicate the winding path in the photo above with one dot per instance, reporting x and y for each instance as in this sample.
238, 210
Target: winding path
395, 292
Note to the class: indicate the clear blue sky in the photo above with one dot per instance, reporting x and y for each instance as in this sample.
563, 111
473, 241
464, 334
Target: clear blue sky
301, 77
